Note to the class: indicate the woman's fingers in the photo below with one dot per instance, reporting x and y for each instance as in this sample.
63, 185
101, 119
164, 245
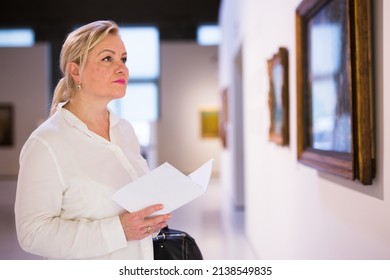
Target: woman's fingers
139, 224
150, 210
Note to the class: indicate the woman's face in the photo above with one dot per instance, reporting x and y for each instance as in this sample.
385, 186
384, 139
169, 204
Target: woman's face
105, 74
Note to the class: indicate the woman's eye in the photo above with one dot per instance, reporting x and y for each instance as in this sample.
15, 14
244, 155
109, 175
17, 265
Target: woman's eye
108, 58
124, 59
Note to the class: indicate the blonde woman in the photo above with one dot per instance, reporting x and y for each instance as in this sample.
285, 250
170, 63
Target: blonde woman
72, 164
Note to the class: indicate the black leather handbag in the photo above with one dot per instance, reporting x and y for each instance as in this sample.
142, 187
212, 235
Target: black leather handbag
172, 244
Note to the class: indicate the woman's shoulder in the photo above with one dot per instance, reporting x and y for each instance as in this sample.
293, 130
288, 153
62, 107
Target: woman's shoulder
42, 136
49, 128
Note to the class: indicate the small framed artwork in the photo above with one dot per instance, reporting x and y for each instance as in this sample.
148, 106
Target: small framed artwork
209, 122
224, 117
335, 108
278, 97
6, 125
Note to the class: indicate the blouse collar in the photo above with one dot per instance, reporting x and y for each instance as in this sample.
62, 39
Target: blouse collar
75, 121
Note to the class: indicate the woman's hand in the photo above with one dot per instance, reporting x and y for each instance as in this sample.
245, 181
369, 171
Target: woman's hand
138, 225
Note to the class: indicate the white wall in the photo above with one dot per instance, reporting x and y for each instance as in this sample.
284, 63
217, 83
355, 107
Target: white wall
230, 69
189, 81
24, 82
293, 211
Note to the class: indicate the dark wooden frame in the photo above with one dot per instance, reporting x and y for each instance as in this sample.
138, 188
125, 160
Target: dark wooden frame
279, 135
6, 125
224, 117
360, 163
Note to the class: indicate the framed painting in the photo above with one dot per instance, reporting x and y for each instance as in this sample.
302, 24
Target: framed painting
278, 97
6, 125
224, 117
335, 108
209, 121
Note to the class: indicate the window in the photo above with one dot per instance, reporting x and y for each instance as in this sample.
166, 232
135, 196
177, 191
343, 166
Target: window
140, 102
17, 37
143, 52
208, 35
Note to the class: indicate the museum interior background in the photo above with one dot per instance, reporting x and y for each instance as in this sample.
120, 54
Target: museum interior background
290, 210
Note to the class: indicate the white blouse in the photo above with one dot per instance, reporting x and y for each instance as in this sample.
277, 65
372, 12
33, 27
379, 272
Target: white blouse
67, 175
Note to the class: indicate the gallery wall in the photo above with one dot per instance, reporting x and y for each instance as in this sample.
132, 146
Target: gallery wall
24, 83
188, 84
293, 211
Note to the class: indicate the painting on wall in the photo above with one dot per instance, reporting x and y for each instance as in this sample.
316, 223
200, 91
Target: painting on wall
209, 122
278, 97
224, 117
335, 114
6, 125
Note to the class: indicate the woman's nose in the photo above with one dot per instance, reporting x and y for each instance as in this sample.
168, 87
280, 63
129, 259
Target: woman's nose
122, 68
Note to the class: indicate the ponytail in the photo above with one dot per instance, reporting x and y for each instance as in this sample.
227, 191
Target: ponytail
59, 95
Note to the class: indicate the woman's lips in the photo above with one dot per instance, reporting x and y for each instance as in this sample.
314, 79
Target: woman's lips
120, 81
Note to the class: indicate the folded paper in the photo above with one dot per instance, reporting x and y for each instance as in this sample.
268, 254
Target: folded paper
165, 185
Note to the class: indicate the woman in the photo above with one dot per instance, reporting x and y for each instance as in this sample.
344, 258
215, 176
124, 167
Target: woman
72, 164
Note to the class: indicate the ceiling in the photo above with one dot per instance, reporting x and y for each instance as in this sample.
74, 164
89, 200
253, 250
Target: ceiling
176, 19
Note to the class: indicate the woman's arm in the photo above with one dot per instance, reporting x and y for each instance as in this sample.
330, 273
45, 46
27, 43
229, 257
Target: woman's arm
38, 206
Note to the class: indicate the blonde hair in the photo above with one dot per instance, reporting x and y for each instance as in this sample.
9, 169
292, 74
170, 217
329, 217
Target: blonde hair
75, 49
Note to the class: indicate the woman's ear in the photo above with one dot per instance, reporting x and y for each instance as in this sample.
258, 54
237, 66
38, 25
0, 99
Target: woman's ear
74, 71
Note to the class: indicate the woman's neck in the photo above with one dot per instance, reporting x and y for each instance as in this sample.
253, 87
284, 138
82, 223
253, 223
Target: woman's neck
95, 116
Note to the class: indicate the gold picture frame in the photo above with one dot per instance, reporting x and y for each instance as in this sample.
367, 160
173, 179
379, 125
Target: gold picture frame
278, 98
335, 108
